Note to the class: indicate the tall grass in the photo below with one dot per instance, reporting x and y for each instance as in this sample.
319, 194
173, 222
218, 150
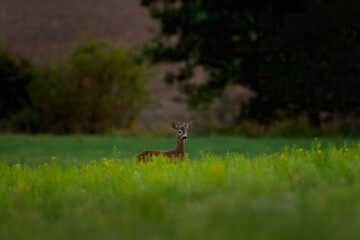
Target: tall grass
293, 193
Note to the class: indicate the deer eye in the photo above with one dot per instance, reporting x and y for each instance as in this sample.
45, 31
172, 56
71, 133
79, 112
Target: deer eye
179, 131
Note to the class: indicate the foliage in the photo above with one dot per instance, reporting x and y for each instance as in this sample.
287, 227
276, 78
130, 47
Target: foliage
96, 88
16, 73
296, 55
294, 193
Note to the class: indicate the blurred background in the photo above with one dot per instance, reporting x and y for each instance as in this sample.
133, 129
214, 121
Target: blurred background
259, 68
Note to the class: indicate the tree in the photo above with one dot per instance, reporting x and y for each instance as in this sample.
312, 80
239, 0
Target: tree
15, 75
297, 55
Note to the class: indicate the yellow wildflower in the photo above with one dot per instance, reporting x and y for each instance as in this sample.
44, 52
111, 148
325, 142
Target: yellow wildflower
107, 162
299, 150
17, 166
21, 186
156, 177
217, 172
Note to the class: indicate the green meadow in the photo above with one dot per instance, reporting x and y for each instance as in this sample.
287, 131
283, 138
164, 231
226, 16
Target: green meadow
89, 187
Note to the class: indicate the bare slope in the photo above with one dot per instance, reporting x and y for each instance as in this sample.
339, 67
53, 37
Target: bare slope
40, 29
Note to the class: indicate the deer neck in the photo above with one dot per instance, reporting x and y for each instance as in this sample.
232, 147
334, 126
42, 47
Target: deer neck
180, 146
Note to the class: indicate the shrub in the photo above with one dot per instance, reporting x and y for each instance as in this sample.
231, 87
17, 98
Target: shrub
15, 75
95, 88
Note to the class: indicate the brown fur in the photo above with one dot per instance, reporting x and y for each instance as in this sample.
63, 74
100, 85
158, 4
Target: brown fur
177, 153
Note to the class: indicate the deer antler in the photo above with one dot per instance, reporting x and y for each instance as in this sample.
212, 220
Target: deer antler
181, 124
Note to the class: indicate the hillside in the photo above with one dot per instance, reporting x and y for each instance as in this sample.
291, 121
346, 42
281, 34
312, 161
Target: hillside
42, 29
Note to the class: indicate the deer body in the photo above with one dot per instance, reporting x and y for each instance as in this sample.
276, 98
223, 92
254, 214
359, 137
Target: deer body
178, 152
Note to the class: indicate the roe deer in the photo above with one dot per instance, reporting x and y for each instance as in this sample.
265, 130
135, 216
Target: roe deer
178, 152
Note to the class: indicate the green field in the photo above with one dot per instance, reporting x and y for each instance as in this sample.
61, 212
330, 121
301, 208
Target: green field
88, 187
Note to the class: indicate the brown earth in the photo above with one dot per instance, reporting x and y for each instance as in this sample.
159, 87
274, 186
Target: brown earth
42, 29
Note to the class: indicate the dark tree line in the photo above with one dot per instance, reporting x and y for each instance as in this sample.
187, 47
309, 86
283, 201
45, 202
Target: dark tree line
297, 55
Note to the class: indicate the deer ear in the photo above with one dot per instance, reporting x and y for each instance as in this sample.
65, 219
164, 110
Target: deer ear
173, 124
188, 124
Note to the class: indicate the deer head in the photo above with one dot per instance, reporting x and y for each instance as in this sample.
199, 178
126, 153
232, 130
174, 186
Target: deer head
181, 129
